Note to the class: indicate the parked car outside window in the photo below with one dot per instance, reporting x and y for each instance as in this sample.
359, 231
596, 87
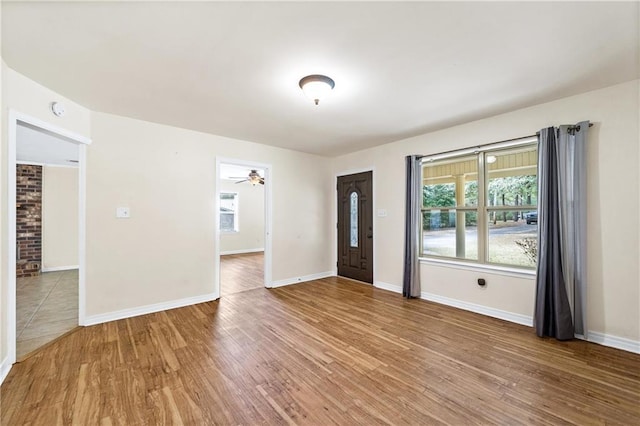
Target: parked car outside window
531, 218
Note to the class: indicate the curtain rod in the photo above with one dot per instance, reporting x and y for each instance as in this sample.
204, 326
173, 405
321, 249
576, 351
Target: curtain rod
494, 145
571, 128
479, 148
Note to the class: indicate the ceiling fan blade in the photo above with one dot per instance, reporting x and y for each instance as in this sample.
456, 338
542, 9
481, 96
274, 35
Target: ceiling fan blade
240, 181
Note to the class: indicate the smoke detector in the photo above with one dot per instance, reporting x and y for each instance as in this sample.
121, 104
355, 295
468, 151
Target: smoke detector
57, 109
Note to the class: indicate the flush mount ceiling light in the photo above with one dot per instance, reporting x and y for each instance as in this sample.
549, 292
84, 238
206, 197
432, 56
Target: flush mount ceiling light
316, 86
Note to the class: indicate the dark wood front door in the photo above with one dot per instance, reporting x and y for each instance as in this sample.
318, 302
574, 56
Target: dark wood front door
355, 226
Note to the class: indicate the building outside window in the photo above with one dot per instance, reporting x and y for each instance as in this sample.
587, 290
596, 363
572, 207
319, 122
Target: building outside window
481, 206
229, 212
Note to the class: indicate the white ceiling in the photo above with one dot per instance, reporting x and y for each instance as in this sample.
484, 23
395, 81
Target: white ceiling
401, 68
35, 145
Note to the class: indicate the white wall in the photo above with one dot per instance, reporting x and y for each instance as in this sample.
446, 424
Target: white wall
4, 351
613, 205
250, 235
59, 217
28, 97
166, 176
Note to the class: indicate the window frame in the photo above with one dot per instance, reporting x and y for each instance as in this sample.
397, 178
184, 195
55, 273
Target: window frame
482, 209
236, 222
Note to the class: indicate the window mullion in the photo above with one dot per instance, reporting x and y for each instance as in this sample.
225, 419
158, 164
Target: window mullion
421, 221
482, 225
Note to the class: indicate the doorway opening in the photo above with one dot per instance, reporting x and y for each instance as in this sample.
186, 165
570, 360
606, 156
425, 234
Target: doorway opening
355, 226
242, 226
46, 181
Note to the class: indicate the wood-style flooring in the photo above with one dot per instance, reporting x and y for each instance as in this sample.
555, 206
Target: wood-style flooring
330, 351
241, 272
46, 308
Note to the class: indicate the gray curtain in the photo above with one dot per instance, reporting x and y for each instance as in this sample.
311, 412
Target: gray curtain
412, 227
561, 272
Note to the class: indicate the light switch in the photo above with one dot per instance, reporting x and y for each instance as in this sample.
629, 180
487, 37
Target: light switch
382, 213
122, 212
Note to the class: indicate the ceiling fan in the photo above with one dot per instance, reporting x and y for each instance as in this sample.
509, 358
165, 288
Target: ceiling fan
254, 178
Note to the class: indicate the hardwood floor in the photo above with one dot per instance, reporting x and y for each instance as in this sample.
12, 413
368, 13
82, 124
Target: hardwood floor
329, 351
241, 272
46, 308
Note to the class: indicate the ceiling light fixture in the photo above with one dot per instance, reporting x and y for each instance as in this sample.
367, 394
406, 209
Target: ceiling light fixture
316, 86
491, 159
254, 180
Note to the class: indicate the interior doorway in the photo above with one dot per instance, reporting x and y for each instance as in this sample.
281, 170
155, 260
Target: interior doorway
46, 245
355, 226
241, 272
243, 226
46, 206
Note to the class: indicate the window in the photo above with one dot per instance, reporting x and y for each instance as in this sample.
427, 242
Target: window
228, 212
482, 206
353, 219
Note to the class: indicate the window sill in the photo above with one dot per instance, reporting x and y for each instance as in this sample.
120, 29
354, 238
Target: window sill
492, 269
228, 232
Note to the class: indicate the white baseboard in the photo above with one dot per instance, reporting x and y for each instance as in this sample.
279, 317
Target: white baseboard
389, 287
479, 309
243, 251
147, 309
5, 367
594, 337
297, 280
614, 341
59, 268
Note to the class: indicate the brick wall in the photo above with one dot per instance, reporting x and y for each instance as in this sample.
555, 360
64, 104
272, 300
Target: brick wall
28, 220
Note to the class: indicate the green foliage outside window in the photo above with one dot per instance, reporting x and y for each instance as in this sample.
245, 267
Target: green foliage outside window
440, 195
512, 190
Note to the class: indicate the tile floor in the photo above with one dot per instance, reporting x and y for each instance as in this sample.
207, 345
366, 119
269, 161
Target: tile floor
47, 307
